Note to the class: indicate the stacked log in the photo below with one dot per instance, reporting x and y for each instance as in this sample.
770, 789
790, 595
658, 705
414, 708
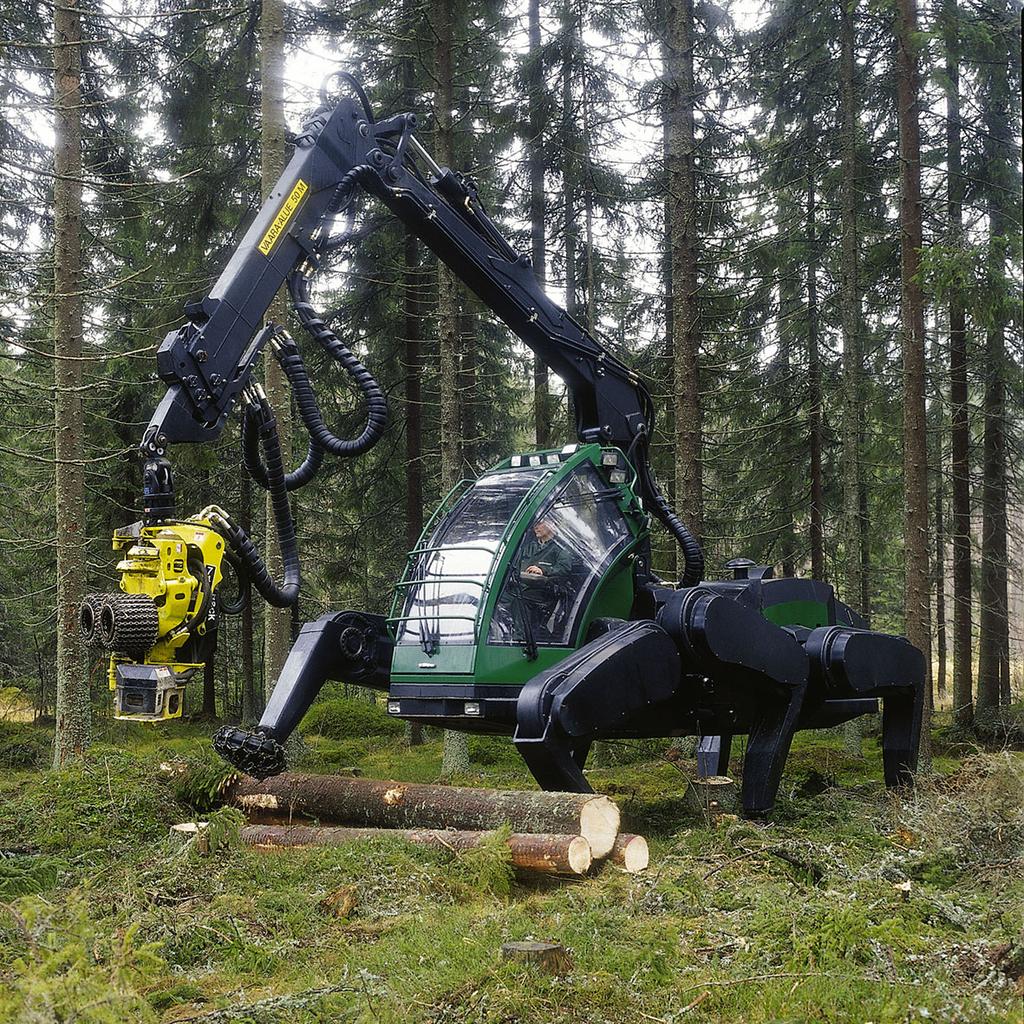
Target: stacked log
545, 853
391, 805
555, 833
630, 853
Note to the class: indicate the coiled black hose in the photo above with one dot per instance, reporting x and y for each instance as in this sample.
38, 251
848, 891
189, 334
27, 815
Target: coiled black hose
282, 595
259, 429
305, 399
298, 477
241, 600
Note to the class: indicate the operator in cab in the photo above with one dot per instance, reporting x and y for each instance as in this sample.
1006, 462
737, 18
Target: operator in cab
544, 564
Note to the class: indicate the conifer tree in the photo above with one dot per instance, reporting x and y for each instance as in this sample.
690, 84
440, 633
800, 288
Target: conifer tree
916, 601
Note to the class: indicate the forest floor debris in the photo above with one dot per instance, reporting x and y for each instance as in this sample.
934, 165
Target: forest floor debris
851, 905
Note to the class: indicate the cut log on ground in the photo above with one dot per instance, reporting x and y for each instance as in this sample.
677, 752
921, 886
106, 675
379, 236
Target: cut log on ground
368, 802
548, 956
715, 795
630, 852
546, 853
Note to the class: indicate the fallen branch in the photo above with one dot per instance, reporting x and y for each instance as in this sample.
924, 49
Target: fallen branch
268, 1009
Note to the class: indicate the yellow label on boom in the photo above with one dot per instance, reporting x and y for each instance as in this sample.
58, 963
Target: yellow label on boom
276, 229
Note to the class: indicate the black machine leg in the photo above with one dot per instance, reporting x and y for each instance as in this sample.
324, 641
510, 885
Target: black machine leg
901, 734
767, 750
349, 646
590, 695
713, 753
864, 664
580, 752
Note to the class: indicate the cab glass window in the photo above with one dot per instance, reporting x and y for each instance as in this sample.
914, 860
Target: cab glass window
569, 544
448, 578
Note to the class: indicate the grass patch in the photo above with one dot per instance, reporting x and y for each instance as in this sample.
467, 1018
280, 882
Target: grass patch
853, 904
348, 718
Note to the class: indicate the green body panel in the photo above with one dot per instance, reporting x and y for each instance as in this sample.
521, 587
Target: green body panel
408, 658
507, 664
798, 613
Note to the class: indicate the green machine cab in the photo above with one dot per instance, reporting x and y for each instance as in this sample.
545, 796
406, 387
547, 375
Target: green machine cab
470, 624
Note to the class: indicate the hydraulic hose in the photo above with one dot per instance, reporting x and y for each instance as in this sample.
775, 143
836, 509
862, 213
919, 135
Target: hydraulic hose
282, 595
693, 556
241, 600
298, 477
291, 362
321, 440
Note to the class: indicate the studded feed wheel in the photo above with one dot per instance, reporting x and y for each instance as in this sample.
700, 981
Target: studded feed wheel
89, 618
254, 753
129, 623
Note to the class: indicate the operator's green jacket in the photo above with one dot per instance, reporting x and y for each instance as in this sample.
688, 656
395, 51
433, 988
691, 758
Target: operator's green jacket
551, 557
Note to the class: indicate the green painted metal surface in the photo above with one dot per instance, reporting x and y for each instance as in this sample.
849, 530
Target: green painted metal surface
798, 613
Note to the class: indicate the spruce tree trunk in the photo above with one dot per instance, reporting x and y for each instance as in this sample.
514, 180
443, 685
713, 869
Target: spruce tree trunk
940, 576
666, 377
588, 208
817, 530
853, 398
916, 599
209, 709
682, 237
412, 312
413, 414
72, 705
538, 227
960, 434
455, 757
252, 696
467, 380
993, 620
570, 230
787, 485
276, 621
1001, 193
413, 396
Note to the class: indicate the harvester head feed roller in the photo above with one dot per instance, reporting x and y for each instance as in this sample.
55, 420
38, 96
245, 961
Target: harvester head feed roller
89, 618
129, 623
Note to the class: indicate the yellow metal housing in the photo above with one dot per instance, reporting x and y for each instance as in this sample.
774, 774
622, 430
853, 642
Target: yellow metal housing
179, 566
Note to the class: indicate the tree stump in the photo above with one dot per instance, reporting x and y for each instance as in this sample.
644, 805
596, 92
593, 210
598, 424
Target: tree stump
630, 852
187, 831
547, 956
713, 796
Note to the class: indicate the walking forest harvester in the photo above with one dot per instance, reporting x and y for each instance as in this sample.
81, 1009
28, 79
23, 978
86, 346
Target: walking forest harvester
528, 606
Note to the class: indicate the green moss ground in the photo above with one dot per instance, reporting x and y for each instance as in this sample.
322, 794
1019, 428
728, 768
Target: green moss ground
853, 905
